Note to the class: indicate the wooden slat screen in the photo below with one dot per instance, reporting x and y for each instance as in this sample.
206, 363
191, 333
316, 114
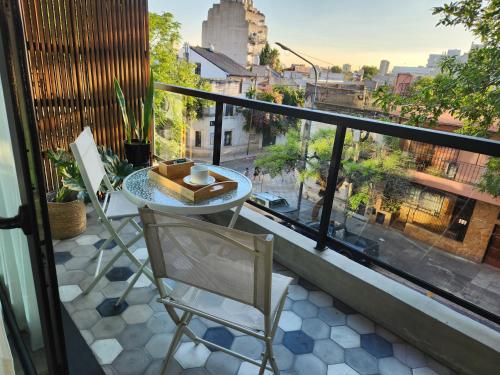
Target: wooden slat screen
75, 48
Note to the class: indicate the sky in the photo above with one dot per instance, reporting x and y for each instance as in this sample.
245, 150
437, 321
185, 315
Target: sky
335, 32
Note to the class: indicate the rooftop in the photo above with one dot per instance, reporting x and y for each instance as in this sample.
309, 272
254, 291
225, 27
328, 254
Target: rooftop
227, 64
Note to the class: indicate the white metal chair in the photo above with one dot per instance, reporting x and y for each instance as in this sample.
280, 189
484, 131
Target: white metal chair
115, 207
220, 274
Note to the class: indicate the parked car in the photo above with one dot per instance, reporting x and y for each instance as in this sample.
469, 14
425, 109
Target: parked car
347, 239
273, 202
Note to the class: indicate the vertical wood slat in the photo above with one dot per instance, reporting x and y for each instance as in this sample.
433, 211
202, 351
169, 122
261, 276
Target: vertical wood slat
75, 48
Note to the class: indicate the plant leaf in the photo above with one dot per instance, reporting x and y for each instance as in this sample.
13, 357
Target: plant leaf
133, 124
148, 107
123, 108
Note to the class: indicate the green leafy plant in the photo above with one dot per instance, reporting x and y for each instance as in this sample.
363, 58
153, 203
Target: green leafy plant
72, 185
137, 130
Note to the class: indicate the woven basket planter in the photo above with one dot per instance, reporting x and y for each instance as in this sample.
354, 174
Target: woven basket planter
67, 219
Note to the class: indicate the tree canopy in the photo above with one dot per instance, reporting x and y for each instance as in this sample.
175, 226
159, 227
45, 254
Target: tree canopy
277, 124
171, 111
336, 69
270, 56
369, 71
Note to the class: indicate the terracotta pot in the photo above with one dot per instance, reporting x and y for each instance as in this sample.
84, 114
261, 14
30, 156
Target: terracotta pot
67, 219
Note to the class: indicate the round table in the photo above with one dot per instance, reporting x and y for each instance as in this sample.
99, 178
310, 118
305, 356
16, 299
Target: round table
142, 191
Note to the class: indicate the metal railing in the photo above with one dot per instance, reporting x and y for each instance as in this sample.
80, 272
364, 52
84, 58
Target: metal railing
344, 122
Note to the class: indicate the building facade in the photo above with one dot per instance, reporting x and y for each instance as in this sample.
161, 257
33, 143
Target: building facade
384, 67
226, 77
237, 29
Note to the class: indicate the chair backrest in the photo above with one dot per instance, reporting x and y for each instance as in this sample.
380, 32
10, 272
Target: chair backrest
89, 161
228, 262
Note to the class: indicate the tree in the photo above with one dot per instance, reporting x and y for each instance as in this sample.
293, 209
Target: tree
279, 159
336, 69
276, 124
469, 91
369, 71
172, 112
270, 56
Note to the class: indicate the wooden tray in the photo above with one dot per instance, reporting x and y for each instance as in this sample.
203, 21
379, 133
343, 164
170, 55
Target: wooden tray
171, 176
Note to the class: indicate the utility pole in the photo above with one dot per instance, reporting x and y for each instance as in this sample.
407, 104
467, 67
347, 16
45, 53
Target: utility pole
307, 126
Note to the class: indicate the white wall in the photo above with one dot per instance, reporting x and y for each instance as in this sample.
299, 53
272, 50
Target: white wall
208, 69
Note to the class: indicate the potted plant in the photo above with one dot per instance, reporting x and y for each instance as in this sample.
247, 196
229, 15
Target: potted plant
67, 215
137, 144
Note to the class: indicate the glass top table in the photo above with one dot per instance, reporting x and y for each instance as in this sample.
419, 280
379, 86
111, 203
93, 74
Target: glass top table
142, 191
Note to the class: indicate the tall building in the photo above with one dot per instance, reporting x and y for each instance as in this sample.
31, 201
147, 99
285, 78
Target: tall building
346, 68
237, 29
384, 67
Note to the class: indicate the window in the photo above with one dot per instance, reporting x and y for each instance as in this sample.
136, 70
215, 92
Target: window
212, 135
197, 139
228, 138
197, 70
212, 123
229, 110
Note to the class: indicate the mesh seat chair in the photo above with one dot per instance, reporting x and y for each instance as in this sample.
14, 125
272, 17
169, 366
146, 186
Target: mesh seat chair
114, 207
220, 274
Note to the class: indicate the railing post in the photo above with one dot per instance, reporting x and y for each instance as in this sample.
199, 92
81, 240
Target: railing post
331, 183
219, 110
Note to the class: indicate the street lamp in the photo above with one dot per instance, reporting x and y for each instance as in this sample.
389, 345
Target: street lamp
307, 127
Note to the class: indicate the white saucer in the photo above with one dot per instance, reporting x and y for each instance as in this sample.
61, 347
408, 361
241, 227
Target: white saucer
187, 180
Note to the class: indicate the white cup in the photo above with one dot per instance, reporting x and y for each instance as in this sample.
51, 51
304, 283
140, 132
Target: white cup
199, 174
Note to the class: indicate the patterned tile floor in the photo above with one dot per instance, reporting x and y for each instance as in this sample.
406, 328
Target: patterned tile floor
317, 334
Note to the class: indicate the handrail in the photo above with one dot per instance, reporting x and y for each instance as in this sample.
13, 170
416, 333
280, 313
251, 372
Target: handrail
463, 142
343, 122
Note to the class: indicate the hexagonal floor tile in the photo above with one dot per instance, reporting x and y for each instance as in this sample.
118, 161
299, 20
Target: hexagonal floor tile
106, 350
328, 351
345, 337
62, 257
131, 362
341, 369
220, 363
248, 368
289, 321
190, 355
297, 293
219, 336
361, 361
109, 327
424, 371
332, 316
83, 251
158, 345
119, 274
298, 342
136, 314
142, 282
360, 324
249, 346
141, 253
284, 357
85, 319
87, 239
68, 293
376, 345
160, 322
390, 365
108, 308
320, 299
305, 309
316, 328
135, 336
308, 364
111, 245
